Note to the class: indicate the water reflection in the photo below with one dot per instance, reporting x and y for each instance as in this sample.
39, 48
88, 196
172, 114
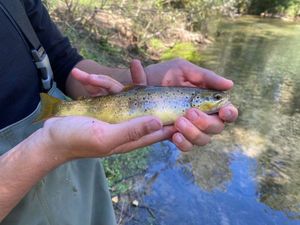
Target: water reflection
251, 173
268, 92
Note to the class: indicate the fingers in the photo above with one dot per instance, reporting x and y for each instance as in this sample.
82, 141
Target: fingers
203, 77
97, 81
210, 124
137, 73
214, 81
131, 131
208, 79
228, 113
194, 129
189, 135
163, 134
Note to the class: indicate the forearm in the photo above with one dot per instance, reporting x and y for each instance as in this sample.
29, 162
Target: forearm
75, 89
21, 168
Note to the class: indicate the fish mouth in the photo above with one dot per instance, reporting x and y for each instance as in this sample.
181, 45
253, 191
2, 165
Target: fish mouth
224, 102
220, 104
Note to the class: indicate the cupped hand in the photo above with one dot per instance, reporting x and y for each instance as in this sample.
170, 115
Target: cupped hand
99, 84
179, 72
80, 137
196, 127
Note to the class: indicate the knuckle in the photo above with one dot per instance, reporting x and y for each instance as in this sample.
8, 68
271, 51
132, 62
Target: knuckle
213, 125
203, 141
204, 125
198, 138
105, 78
220, 127
89, 78
185, 147
135, 134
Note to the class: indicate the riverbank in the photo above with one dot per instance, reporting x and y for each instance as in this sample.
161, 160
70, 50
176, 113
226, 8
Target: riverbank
114, 38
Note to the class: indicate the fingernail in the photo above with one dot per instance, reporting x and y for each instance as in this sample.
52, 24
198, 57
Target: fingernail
154, 125
192, 115
76, 69
228, 113
179, 138
181, 124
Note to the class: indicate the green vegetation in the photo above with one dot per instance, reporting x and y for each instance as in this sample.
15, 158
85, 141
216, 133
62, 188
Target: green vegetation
122, 169
275, 6
186, 51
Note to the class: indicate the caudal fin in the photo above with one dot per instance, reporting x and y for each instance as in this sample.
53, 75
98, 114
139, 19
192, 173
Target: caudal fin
48, 106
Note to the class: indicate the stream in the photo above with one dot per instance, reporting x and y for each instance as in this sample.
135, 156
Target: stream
249, 174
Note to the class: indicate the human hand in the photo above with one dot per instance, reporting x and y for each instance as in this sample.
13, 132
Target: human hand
79, 137
95, 84
195, 127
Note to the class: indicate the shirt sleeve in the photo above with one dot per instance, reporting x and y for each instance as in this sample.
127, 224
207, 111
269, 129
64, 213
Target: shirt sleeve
63, 57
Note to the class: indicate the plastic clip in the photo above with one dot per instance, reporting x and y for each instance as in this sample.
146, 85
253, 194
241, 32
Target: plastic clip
42, 63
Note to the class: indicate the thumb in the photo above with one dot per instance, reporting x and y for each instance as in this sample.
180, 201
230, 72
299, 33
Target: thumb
132, 130
138, 74
96, 82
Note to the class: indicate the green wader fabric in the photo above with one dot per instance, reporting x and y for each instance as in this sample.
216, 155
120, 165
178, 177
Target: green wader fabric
75, 193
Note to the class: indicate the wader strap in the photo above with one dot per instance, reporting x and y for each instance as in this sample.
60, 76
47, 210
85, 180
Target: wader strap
15, 11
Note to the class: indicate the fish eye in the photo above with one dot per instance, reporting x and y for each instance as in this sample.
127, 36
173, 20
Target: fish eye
218, 96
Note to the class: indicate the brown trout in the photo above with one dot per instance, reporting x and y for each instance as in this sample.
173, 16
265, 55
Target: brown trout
167, 103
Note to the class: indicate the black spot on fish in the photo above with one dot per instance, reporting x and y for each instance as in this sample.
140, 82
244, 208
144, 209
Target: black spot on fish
74, 189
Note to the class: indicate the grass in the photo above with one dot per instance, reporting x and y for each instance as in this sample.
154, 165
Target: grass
185, 50
120, 169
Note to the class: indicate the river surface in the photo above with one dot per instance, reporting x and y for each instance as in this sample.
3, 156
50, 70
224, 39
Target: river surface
250, 174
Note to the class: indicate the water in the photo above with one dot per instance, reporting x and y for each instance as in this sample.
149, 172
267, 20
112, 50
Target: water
250, 174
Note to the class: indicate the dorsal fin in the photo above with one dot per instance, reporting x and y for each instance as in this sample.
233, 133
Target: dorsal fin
128, 87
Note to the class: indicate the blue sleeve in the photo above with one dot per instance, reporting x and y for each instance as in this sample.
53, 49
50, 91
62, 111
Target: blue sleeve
62, 55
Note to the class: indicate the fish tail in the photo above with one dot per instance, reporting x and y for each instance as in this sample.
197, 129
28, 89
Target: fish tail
48, 106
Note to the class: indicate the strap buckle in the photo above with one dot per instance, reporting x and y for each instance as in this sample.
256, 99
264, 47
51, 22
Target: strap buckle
42, 63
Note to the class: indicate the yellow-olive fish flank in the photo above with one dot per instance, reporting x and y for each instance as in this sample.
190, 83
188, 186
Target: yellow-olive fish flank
167, 103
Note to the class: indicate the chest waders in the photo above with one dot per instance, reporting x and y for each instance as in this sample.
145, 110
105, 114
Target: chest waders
76, 192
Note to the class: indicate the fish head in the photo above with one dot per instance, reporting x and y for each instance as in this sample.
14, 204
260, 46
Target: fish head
210, 101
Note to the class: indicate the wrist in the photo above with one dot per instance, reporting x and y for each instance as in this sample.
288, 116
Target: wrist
49, 155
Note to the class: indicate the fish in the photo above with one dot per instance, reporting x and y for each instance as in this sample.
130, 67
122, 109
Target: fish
165, 102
